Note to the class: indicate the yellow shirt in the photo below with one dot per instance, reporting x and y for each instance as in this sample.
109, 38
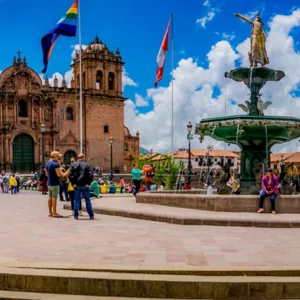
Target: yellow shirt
103, 189
13, 181
70, 186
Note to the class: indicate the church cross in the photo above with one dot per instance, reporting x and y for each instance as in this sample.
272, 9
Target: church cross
19, 54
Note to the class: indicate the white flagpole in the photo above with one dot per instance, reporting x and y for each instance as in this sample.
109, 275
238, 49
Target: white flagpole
80, 81
172, 84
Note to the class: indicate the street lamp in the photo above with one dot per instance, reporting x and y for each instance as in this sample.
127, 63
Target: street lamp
208, 154
189, 137
111, 140
151, 151
43, 129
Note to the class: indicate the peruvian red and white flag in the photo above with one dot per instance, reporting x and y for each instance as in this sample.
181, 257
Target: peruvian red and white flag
161, 57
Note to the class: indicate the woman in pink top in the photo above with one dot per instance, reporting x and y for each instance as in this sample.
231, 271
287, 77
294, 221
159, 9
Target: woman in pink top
122, 184
269, 189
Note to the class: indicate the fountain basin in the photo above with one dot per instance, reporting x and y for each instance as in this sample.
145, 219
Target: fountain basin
220, 203
255, 135
255, 75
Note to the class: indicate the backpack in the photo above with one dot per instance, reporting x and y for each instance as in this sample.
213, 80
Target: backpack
150, 174
5, 180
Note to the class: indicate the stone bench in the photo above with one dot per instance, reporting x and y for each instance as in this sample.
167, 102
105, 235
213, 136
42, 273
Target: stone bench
221, 203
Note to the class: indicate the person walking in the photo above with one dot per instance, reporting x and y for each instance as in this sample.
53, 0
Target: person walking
81, 177
43, 182
136, 178
269, 189
6, 183
53, 172
13, 184
122, 184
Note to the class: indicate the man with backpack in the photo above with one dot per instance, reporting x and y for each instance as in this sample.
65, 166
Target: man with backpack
148, 170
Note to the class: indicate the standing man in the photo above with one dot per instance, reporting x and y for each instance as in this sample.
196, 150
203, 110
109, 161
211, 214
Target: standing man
54, 172
136, 178
81, 177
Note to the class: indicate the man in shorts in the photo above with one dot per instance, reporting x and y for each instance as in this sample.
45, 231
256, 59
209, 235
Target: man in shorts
54, 173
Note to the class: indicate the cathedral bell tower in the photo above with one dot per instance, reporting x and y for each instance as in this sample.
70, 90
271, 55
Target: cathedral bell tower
101, 70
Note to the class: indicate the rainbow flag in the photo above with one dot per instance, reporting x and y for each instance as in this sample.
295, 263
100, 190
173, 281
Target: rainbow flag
66, 26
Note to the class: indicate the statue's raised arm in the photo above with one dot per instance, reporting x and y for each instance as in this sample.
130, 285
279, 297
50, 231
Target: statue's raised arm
244, 18
258, 52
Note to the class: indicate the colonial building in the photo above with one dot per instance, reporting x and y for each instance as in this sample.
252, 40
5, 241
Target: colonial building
27, 105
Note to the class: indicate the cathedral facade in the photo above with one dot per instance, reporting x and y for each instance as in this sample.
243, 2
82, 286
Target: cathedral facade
31, 111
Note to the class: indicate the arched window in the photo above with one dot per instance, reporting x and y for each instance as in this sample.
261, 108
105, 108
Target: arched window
125, 147
99, 80
106, 129
69, 114
22, 109
111, 81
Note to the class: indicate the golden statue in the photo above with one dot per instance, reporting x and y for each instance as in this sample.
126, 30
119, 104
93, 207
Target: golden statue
258, 52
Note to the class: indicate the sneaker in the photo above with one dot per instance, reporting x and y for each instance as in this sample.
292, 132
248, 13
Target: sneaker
274, 212
75, 218
260, 210
92, 218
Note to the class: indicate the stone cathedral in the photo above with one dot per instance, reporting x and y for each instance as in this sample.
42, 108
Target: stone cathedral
26, 104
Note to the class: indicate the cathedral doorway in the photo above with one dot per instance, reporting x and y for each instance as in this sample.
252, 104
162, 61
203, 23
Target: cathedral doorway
68, 155
23, 153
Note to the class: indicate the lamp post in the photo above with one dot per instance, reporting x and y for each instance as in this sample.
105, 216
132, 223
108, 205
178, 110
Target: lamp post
111, 140
189, 137
151, 151
208, 154
43, 129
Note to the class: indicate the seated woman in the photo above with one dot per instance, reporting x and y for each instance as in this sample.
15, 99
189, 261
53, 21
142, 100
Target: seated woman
94, 189
269, 189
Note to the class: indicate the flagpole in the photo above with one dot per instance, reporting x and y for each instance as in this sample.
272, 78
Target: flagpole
172, 84
80, 81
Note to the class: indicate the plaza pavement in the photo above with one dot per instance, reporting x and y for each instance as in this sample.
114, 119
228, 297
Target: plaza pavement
27, 234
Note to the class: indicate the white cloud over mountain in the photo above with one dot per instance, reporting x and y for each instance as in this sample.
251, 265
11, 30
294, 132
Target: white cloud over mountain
194, 88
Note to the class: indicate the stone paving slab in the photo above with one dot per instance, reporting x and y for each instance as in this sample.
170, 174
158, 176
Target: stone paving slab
127, 207
27, 234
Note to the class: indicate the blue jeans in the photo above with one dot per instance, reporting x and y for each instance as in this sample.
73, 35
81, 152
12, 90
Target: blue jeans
78, 193
263, 195
13, 189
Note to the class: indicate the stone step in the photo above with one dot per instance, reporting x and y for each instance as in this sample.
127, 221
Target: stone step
161, 269
105, 284
182, 216
6, 295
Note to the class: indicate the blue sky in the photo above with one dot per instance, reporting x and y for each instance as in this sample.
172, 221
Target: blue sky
136, 27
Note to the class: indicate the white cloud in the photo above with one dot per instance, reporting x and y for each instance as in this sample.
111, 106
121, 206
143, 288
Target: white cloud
126, 80
251, 14
204, 20
211, 12
140, 101
228, 36
194, 87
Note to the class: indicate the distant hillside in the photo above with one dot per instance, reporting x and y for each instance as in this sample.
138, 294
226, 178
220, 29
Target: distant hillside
144, 151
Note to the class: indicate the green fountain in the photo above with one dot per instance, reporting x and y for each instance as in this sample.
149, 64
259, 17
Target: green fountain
254, 133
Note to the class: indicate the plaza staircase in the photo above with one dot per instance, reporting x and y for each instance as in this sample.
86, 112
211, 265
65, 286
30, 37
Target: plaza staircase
46, 282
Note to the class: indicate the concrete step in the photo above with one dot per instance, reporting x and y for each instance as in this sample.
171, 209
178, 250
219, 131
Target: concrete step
182, 216
38, 296
107, 284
